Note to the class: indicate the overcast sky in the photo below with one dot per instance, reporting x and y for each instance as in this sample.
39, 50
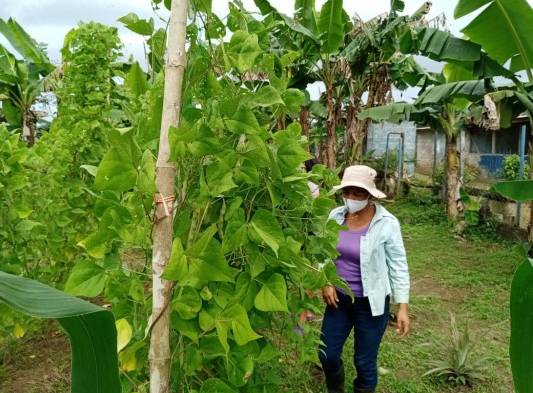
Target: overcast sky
49, 20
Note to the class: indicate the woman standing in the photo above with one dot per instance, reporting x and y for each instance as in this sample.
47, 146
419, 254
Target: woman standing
372, 261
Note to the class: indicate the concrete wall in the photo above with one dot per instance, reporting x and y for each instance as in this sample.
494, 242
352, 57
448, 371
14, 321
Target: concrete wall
377, 140
424, 150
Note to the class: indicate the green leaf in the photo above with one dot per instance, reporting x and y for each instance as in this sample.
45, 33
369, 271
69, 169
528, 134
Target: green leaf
235, 236
188, 303
521, 348
268, 229
176, 269
25, 45
305, 13
213, 266
504, 28
242, 50
199, 246
273, 294
240, 324
519, 190
215, 385
293, 100
146, 179
266, 96
27, 225
86, 279
139, 26
473, 90
91, 329
243, 122
331, 26
136, 80
118, 169
443, 46
12, 113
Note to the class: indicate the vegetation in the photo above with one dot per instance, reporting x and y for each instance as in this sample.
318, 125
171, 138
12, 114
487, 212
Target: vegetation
196, 166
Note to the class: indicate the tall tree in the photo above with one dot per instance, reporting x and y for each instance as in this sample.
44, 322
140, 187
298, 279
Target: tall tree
164, 200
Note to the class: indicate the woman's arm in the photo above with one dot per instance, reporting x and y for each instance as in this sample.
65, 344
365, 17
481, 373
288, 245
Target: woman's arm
398, 275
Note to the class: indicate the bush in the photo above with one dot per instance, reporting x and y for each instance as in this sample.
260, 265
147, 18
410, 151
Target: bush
511, 167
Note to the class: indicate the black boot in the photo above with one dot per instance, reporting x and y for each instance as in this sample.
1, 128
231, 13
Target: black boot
335, 380
361, 390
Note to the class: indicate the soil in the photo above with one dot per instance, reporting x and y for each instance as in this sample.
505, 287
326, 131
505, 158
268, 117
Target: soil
40, 364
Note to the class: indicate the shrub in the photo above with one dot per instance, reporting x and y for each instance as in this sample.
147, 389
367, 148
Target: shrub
511, 168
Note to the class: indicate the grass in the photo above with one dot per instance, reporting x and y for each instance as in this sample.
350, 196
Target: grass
469, 277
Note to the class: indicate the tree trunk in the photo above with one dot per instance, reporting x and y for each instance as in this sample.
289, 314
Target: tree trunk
453, 182
27, 130
159, 354
331, 124
304, 120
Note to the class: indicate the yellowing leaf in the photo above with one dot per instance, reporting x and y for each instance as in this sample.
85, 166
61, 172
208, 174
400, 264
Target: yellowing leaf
19, 331
128, 361
124, 333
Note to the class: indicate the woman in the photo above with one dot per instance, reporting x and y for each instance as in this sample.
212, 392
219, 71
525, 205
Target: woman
372, 262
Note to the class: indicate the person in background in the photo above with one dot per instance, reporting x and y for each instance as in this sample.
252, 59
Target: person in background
373, 263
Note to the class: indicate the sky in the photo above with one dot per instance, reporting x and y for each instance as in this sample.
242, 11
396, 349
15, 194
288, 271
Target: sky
49, 20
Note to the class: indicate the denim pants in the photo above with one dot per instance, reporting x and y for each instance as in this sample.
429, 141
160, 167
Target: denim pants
336, 327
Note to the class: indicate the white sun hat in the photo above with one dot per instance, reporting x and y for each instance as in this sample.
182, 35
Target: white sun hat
361, 176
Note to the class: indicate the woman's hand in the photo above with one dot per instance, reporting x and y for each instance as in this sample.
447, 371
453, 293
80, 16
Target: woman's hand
403, 321
329, 294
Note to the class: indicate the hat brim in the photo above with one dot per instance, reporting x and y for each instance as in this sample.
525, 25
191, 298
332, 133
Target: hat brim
373, 191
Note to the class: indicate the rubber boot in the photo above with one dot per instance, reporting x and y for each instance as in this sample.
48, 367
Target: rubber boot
335, 380
361, 390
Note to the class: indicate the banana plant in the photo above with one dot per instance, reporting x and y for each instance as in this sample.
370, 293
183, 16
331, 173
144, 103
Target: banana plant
91, 329
21, 81
521, 345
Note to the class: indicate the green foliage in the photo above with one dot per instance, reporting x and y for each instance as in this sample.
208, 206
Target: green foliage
456, 368
511, 168
91, 329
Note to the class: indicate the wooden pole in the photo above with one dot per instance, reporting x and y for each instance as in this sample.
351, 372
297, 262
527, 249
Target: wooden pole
159, 355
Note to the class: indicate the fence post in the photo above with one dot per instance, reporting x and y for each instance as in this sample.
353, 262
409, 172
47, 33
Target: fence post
521, 153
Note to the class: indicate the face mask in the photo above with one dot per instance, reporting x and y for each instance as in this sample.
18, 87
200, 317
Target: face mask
354, 206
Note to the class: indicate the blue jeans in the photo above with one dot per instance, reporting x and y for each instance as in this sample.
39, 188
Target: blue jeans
369, 330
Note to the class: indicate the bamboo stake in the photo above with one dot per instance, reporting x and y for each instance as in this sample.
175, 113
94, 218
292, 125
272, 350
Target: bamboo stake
164, 201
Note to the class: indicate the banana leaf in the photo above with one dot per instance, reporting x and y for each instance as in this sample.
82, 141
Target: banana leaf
91, 329
521, 347
518, 190
504, 29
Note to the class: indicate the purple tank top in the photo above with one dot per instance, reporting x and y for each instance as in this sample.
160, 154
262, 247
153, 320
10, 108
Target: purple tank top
349, 262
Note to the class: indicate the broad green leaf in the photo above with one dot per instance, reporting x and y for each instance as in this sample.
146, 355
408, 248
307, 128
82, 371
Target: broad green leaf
215, 385
12, 113
473, 90
86, 279
266, 96
91, 329
118, 169
519, 190
240, 367
240, 324
186, 327
442, 45
293, 100
267, 228
124, 333
243, 122
242, 50
235, 236
273, 294
146, 179
521, 348
188, 303
24, 44
197, 249
504, 28
176, 269
91, 169
306, 14
331, 26
212, 265
136, 80
137, 25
